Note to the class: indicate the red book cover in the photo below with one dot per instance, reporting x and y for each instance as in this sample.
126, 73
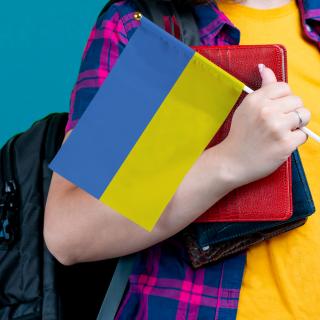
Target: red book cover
269, 198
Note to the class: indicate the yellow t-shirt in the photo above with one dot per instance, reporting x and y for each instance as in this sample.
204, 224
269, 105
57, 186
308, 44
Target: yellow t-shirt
282, 275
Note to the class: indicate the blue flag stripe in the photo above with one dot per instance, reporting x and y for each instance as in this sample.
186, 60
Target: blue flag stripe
122, 108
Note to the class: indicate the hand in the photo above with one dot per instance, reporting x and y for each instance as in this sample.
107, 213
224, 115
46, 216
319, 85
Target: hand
264, 130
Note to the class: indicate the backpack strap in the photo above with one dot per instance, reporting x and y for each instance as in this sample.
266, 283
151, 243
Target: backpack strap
117, 287
189, 30
155, 10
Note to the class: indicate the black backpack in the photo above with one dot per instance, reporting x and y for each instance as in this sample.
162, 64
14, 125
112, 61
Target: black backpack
27, 277
33, 285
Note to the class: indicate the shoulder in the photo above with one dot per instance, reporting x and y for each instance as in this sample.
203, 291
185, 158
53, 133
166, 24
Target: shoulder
120, 17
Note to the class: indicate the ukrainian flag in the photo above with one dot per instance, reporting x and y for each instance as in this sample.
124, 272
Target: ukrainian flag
147, 125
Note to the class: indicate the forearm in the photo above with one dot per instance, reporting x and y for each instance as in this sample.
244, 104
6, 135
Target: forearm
80, 228
262, 136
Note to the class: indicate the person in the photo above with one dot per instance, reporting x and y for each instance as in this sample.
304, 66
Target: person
282, 276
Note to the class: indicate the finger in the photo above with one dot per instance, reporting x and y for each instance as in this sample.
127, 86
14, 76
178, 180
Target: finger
286, 104
293, 118
267, 75
275, 90
298, 138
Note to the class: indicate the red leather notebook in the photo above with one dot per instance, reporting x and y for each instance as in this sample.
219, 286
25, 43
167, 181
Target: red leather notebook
271, 197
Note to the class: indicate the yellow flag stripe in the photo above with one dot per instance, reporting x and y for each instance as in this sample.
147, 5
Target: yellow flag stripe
188, 118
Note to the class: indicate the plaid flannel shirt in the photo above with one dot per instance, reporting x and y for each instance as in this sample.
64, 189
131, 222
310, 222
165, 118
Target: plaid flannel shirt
114, 28
162, 285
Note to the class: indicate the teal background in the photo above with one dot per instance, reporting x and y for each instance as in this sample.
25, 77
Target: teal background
41, 45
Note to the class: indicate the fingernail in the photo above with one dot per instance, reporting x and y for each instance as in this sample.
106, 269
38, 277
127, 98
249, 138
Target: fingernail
261, 67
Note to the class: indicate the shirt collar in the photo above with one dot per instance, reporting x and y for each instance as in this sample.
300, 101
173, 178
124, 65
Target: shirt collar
214, 27
217, 29
310, 19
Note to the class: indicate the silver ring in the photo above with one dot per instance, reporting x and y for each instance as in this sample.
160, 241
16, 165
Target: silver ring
300, 119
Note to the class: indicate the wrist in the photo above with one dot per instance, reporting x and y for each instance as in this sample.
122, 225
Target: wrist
226, 166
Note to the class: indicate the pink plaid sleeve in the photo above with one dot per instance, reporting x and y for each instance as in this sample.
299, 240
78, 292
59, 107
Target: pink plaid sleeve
107, 39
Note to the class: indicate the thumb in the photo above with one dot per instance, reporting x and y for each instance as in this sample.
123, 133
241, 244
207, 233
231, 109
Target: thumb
267, 75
